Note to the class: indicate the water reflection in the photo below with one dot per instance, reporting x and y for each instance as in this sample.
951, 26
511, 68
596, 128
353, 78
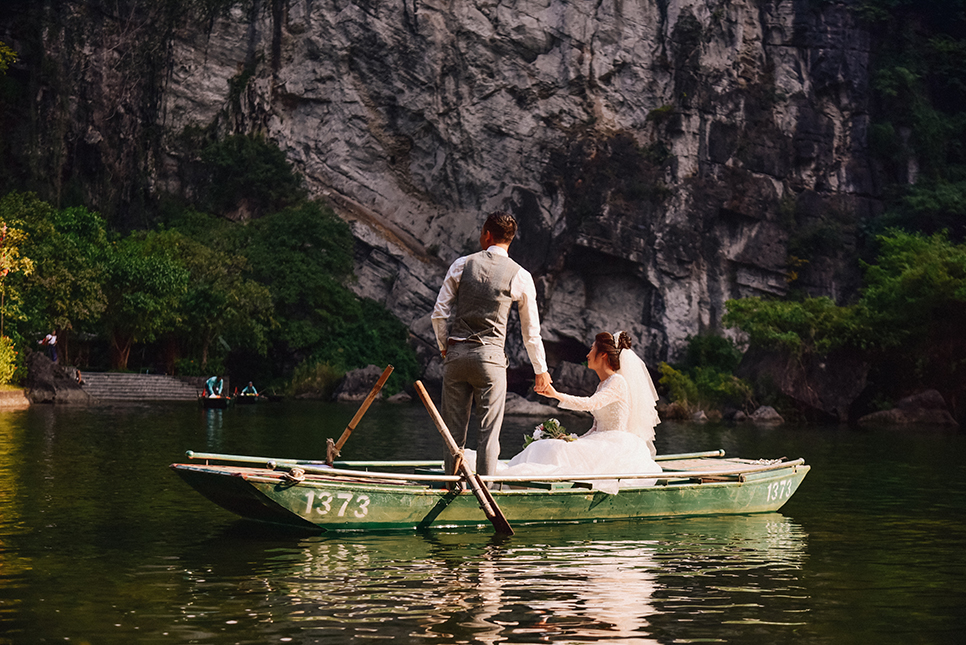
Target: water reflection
101, 543
214, 422
579, 583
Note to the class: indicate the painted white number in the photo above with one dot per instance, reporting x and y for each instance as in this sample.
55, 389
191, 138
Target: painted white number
323, 504
346, 497
779, 490
363, 509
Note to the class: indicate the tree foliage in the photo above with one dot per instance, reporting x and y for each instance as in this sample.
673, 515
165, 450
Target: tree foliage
7, 57
915, 300
812, 325
219, 303
907, 322
247, 173
68, 248
705, 379
263, 295
8, 360
303, 255
144, 288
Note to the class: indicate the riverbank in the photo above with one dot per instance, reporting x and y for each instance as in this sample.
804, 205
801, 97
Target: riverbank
13, 399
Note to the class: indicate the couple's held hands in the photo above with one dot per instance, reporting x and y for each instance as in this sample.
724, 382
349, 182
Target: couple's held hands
543, 386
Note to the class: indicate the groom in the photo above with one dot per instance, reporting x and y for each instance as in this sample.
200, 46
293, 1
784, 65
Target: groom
470, 320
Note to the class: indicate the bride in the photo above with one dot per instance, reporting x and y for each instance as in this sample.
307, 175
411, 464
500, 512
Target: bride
621, 440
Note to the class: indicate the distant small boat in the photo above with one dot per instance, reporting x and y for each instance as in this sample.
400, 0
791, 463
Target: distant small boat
247, 399
374, 495
214, 402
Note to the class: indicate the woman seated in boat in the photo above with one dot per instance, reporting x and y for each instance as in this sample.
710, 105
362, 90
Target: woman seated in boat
249, 390
621, 440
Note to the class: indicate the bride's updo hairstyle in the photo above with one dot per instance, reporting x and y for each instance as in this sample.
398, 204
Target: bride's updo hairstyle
604, 342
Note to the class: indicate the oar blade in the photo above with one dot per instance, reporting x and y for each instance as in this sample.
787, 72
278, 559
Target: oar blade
499, 521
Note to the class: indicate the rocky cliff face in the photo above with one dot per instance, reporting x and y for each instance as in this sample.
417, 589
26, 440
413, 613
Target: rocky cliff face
662, 156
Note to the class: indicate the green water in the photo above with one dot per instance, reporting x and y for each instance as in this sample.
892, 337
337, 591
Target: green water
101, 543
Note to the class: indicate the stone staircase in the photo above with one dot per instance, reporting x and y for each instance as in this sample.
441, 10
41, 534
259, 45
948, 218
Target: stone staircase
115, 386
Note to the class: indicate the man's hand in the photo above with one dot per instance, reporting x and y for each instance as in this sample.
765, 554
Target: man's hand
543, 381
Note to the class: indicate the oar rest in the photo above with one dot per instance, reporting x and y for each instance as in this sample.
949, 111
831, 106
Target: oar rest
433, 472
542, 485
741, 470
514, 485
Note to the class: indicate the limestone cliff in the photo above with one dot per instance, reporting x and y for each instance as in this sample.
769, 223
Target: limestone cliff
662, 156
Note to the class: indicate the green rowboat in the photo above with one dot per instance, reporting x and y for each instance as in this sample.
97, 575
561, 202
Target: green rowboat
376, 496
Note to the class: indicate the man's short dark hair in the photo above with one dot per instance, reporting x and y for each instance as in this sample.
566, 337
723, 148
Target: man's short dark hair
502, 225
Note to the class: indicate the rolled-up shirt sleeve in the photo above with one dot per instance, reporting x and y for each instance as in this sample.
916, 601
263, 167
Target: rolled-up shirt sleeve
524, 293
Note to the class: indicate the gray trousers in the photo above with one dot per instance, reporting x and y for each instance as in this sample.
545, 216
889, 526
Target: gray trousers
474, 373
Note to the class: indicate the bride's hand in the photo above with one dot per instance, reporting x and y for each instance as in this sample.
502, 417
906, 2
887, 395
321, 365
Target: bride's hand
549, 392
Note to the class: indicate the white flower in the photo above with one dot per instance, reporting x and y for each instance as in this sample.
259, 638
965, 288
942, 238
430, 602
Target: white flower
538, 432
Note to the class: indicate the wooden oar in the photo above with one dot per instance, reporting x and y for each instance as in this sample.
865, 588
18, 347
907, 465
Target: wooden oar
332, 448
483, 496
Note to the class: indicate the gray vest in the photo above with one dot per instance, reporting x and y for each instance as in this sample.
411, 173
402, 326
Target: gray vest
483, 299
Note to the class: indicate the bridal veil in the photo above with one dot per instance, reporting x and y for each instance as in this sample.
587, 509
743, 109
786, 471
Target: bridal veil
642, 396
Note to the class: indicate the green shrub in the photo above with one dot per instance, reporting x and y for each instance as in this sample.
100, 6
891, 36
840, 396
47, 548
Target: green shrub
720, 389
706, 388
8, 360
680, 386
318, 380
707, 350
812, 325
248, 169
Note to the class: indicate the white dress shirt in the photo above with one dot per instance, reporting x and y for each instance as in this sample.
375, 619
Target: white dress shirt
522, 291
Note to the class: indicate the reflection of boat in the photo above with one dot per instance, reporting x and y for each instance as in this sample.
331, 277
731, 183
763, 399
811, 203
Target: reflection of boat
247, 399
350, 496
214, 402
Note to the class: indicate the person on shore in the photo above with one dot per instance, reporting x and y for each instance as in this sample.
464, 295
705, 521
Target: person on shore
50, 342
470, 321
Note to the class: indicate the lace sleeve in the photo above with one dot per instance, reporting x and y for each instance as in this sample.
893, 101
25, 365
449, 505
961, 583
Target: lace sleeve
610, 391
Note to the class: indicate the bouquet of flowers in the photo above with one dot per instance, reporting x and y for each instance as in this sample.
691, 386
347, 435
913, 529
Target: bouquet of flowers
549, 429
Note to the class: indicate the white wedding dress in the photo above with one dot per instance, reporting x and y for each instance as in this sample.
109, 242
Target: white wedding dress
607, 448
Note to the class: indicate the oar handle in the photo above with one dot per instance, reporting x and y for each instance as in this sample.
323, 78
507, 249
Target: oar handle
365, 406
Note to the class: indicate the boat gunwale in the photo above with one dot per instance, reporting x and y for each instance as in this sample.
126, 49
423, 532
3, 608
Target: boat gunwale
336, 475
267, 461
394, 487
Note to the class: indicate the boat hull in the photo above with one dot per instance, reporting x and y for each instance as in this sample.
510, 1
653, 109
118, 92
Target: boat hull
338, 503
246, 399
214, 402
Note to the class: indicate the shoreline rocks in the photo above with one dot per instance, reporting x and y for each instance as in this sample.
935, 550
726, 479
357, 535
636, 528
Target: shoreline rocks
924, 408
48, 382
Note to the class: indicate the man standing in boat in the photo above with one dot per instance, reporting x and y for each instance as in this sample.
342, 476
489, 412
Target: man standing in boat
470, 321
